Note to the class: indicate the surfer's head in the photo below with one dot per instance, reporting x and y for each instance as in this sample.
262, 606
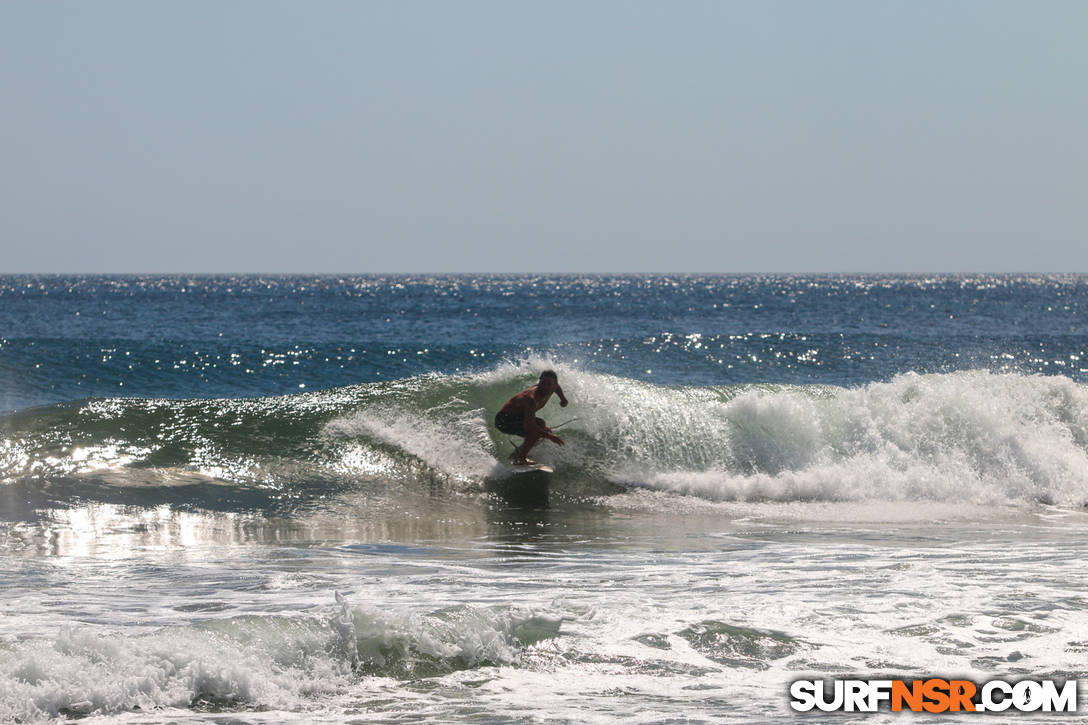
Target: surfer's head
549, 381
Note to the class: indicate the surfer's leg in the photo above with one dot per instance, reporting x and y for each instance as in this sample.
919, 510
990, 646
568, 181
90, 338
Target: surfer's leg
521, 455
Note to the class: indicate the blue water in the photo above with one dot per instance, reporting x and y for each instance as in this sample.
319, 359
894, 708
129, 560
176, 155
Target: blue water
64, 338
269, 499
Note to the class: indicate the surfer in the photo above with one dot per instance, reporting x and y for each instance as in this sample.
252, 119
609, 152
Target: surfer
518, 416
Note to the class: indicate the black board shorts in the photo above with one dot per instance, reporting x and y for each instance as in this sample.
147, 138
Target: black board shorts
510, 423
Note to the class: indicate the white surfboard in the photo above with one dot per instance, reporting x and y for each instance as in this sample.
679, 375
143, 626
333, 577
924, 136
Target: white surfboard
530, 467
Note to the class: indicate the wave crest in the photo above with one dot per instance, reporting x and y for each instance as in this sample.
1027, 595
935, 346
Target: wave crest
975, 436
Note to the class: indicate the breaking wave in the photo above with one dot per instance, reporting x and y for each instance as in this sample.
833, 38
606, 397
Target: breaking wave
251, 662
966, 436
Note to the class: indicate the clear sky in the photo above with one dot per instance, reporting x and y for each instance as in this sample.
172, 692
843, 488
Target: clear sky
366, 136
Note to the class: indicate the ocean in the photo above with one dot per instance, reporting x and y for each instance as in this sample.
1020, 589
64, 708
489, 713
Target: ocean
266, 499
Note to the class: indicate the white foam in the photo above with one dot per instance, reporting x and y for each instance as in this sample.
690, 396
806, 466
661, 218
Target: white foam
85, 671
972, 437
276, 662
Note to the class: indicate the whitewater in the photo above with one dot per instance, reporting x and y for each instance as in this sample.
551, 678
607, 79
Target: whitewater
256, 499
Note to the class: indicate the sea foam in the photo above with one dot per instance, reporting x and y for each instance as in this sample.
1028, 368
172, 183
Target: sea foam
243, 662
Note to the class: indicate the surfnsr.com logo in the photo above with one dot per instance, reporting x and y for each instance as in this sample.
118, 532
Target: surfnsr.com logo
934, 695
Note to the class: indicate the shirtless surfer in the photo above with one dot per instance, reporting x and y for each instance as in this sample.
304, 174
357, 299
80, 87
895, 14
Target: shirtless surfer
518, 416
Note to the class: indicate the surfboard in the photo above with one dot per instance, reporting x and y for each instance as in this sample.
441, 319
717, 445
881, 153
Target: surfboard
529, 467
520, 485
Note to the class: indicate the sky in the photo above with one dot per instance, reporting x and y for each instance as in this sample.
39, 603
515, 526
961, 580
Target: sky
606, 136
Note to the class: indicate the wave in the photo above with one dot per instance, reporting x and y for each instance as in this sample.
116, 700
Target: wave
965, 436
244, 662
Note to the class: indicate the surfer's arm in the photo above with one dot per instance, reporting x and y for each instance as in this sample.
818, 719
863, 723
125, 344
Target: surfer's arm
546, 432
539, 429
562, 398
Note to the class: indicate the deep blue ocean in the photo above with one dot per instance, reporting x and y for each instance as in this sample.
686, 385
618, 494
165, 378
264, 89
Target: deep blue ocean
280, 498
67, 338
